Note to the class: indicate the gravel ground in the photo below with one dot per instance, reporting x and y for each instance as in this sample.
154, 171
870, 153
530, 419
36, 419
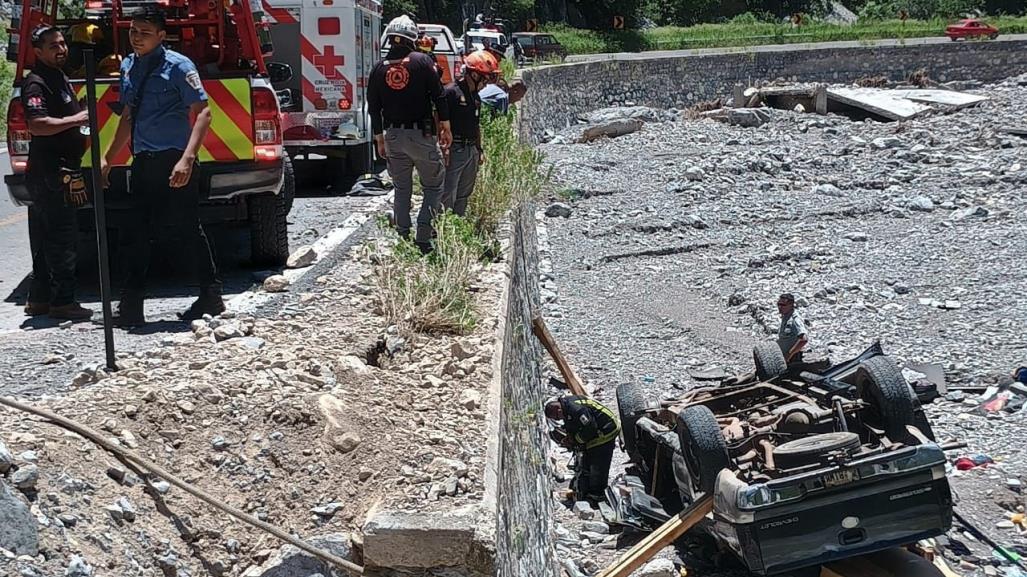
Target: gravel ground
680, 237
40, 358
309, 412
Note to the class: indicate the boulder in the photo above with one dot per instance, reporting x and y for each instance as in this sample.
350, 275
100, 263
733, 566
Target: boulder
18, 530
339, 432
302, 257
614, 129
276, 284
290, 561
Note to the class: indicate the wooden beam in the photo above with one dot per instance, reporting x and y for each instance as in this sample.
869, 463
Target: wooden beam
669, 532
538, 326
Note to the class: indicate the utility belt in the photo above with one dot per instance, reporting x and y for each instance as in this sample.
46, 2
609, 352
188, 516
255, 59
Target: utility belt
425, 126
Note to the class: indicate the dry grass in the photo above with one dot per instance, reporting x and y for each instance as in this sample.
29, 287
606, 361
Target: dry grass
428, 293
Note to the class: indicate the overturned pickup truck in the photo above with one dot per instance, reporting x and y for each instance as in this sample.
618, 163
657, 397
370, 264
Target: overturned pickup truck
805, 467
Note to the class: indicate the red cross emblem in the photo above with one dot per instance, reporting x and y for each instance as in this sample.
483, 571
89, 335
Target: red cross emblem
328, 62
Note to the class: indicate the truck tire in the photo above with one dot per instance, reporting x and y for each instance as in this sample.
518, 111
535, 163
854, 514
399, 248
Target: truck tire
630, 404
880, 383
769, 361
269, 227
702, 446
288, 183
808, 449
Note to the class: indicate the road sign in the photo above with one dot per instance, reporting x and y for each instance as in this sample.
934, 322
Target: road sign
903, 15
532, 25
618, 23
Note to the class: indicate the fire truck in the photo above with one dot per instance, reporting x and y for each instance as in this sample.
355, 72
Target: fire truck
245, 173
334, 45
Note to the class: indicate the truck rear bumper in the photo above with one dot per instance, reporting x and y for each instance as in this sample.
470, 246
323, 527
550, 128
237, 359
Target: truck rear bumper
824, 526
219, 183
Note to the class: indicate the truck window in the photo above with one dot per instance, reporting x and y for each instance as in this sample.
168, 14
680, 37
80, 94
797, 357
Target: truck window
442, 40
525, 41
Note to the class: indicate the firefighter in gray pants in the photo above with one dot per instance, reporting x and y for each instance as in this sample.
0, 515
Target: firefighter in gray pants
480, 69
400, 94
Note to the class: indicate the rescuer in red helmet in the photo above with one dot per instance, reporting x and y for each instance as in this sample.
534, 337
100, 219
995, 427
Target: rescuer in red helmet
466, 153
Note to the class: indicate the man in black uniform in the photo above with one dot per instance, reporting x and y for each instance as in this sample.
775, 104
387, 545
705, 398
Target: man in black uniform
54, 178
400, 94
590, 429
466, 153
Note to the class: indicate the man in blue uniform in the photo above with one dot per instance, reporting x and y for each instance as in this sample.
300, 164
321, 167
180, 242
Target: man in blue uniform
160, 92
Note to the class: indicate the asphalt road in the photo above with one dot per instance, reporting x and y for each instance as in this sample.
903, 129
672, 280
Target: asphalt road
26, 342
777, 48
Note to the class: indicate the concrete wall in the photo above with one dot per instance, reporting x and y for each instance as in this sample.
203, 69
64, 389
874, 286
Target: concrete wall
524, 545
683, 78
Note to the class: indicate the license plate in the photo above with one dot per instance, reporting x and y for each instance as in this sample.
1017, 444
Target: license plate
837, 478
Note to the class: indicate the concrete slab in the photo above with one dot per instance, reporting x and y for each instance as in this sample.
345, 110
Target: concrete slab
947, 98
417, 541
876, 101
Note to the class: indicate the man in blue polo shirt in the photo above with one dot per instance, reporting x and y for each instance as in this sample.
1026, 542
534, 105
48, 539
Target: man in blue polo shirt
160, 92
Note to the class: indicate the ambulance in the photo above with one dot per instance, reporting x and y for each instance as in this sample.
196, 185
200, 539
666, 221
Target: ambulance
245, 175
323, 53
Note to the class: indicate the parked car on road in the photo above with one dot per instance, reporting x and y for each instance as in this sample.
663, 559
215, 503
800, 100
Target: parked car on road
805, 469
539, 47
971, 28
478, 39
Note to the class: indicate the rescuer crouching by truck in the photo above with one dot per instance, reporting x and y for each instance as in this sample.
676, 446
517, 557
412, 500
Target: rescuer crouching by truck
590, 430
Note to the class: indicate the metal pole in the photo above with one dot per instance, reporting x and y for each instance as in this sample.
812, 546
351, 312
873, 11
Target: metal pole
99, 210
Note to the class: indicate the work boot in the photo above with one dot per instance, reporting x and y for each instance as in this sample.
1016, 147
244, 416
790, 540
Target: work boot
36, 309
130, 312
70, 312
209, 303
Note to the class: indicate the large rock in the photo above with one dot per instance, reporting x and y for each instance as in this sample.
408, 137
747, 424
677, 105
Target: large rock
18, 530
613, 129
6, 458
276, 284
658, 568
339, 432
291, 561
643, 113
302, 257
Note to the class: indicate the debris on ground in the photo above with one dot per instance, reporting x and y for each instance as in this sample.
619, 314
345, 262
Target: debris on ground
286, 416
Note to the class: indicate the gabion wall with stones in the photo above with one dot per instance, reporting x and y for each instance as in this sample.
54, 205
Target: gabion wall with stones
524, 546
683, 80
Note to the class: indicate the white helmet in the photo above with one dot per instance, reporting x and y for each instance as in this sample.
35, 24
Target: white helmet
403, 27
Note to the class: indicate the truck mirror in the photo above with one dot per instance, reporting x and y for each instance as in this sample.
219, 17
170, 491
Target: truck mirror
279, 72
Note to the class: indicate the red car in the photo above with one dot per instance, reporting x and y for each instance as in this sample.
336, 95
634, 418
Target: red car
971, 28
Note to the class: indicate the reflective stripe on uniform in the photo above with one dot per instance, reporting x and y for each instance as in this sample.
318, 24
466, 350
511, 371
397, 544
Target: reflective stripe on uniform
603, 438
229, 139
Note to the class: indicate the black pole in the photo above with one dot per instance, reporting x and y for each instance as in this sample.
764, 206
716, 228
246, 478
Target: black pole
99, 210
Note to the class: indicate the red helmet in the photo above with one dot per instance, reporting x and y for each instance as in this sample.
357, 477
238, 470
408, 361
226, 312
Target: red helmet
482, 62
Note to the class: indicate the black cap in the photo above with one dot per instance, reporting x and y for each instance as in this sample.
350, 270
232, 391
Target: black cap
151, 14
787, 297
41, 31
